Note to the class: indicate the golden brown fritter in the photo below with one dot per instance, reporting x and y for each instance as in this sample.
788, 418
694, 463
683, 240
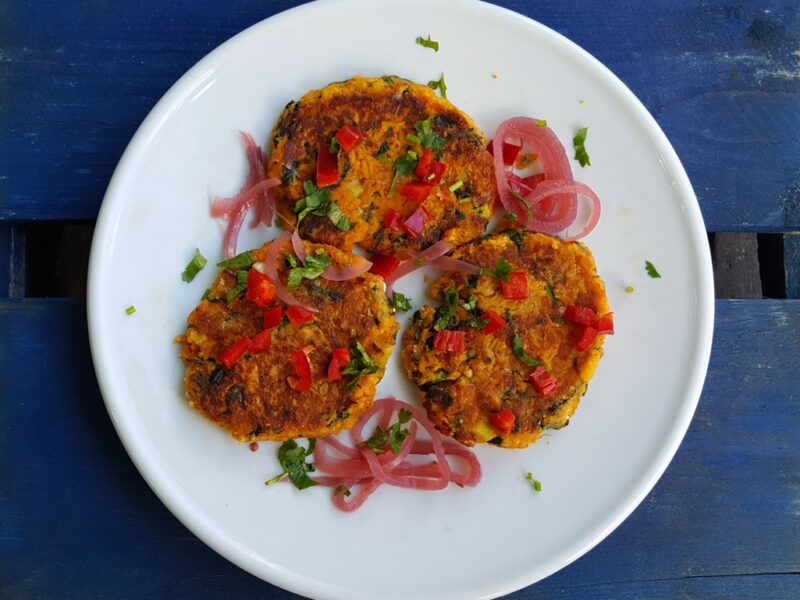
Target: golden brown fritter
384, 110
255, 400
460, 390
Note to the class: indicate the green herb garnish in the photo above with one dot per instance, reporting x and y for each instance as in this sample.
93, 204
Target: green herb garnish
361, 364
341, 489
381, 153
427, 137
392, 437
511, 217
334, 147
519, 352
550, 292
455, 186
440, 85
318, 202
651, 270
541, 123
413, 139
206, 294
404, 165
629, 289
244, 260
528, 209
501, 271
312, 268
580, 149
446, 312
241, 286
429, 43
400, 301
130, 310
292, 458
194, 267
535, 483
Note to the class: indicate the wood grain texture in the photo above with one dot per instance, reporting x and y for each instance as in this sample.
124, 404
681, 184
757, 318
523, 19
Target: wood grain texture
77, 521
12, 261
791, 264
736, 272
722, 78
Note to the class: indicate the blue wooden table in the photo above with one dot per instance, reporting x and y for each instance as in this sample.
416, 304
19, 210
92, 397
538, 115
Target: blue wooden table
77, 521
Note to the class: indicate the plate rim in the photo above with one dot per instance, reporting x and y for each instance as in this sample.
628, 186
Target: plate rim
207, 530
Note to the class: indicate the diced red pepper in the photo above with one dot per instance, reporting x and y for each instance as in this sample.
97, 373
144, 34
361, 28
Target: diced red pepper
490, 147
516, 288
416, 191
510, 153
450, 341
348, 137
327, 167
234, 352
383, 265
586, 339
341, 356
261, 342
259, 288
494, 322
605, 324
436, 172
298, 315
533, 180
543, 381
273, 317
416, 222
302, 366
504, 420
424, 163
392, 220
580, 315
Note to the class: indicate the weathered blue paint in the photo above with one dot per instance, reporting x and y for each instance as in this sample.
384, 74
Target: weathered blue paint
791, 264
722, 78
77, 521
12, 261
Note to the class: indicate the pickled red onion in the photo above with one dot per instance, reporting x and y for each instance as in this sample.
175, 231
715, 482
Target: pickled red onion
235, 210
334, 272
256, 172
270, 269
438, 249
297, 244
446, 263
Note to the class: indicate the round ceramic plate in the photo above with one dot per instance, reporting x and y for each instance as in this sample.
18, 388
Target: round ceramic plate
458, 543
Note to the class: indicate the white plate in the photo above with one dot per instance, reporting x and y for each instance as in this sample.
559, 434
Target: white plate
459, 543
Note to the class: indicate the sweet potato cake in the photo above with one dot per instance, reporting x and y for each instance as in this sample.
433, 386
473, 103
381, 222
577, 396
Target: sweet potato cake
509, 352
266, 371
383, 163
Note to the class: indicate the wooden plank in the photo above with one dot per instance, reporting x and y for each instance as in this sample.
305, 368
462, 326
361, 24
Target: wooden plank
721, 78
77, 521
12, 261
791, 264
736, 270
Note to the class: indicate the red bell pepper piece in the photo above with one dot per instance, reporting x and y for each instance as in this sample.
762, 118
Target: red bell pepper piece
516, 288
605, 324
450, 341
510, 153
416, 222
259, 288
327, 167
436, 172
302, 366
416, 191
341, 356
392, 220
234, 352
298, 315
543, 381
490, 147
383, 265
273, 317
424, 163
586, 339
348, 137
261, 342
504, 420
494, 322
580, 315
533, 180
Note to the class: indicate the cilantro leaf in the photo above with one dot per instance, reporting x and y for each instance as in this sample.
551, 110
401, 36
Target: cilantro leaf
429, 43
400, 301
194, 267
541, 123
404, 165
392, 437
501, 271
312, 268
446, 312
519, 352
360, 364
241, 285
440, 85
580, 149
292, 458
651, 270
318, 202
427, 137
130, 310
528, 209
550, 292
535, 483
241, 261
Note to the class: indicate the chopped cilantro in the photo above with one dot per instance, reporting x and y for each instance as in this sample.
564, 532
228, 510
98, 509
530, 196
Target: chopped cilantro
206, 294
519, 352
244, 260
541, 123
292, 458
535, 483
130, 310
241, 285
400, 301
404, 165
528, 209
318, 202
334, 147
579, 142
381, 153
312, 268
455, 186
501, 271
392, 437
413, 139
427, 137
446, 313
429, 43
511, 217
439, 84
341, 489
629, 289
651, 270
361, 364
194, 267
550, 292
